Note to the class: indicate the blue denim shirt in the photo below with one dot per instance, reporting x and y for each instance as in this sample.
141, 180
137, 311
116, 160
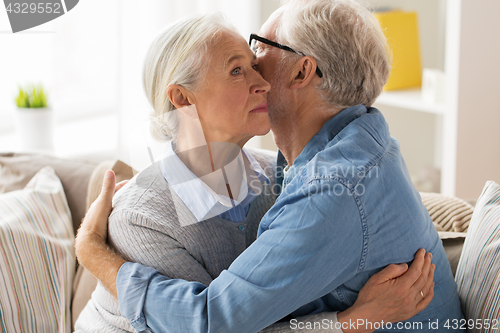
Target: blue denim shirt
347, 209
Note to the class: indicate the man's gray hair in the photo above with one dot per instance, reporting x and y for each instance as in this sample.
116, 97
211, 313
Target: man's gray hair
178, 55
348, 44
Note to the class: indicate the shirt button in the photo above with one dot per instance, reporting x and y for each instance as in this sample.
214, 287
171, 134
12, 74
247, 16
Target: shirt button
241, 227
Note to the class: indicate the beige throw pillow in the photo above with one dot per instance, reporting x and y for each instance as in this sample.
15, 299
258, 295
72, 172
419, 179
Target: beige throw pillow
16, 170
448, 213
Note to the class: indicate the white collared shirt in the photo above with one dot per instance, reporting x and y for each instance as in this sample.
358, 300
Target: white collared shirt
205, 202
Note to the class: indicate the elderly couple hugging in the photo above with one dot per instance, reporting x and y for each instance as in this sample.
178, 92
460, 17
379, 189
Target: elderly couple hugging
200, 241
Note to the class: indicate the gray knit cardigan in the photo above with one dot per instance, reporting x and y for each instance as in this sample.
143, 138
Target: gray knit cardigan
145, 227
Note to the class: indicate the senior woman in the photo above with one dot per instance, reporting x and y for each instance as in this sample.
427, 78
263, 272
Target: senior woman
177, 215
191, 214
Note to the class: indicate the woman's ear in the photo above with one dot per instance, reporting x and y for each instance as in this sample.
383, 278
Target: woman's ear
304, 71
183, 100
179, 96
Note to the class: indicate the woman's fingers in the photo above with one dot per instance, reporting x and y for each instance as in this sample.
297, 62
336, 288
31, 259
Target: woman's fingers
120, 185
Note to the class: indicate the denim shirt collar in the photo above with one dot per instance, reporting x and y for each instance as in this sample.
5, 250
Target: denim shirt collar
318, 142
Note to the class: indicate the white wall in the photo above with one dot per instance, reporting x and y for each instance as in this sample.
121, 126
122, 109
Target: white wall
26, 59
415, 131
478, 144
405, 125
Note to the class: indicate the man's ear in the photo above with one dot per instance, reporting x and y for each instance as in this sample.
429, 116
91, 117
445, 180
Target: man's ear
304, 71
179, 96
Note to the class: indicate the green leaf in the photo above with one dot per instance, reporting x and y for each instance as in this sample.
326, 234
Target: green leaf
31, 97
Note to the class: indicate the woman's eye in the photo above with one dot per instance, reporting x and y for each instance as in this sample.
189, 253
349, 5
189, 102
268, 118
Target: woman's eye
236, 71
255, 67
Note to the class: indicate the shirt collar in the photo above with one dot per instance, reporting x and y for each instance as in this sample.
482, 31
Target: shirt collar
320, 140
200, 198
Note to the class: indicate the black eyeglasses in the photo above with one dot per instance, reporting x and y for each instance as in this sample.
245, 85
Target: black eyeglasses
254, 38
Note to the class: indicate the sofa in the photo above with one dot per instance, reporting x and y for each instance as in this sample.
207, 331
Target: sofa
81, 182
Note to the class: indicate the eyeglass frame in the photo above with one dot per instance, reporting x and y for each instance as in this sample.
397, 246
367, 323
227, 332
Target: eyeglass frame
279, 46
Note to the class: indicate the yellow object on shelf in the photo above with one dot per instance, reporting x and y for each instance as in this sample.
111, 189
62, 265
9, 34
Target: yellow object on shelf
401, 31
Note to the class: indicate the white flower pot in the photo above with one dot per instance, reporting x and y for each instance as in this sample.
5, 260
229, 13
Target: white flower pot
35, 129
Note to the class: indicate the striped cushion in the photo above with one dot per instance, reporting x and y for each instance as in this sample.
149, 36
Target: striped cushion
448, 213
478, 271
37, 261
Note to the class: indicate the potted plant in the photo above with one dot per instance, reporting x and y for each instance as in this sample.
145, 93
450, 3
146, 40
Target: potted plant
34, 119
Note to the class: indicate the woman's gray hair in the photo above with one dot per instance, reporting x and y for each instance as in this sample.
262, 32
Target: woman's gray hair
348, 44
177, 55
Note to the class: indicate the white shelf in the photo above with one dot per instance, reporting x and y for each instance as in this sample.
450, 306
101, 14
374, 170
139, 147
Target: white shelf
410, 99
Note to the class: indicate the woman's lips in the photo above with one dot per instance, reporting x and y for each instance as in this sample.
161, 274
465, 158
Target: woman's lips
260, 108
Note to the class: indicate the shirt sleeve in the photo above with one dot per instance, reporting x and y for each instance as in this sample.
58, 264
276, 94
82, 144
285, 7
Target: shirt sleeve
312, 243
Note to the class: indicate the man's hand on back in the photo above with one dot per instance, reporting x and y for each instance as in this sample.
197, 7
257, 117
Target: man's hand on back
91, 248
394, 294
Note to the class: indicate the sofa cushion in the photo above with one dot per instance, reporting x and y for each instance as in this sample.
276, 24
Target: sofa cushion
453, 243
37, 260
448, 213
17, 169
477, 276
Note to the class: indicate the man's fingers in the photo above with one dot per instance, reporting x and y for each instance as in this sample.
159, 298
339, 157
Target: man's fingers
108, 186
390, 272
120, 185
415, 269
424, 276
426, 300
429, 282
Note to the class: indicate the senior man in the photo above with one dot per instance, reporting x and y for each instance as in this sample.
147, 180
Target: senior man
347, 208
